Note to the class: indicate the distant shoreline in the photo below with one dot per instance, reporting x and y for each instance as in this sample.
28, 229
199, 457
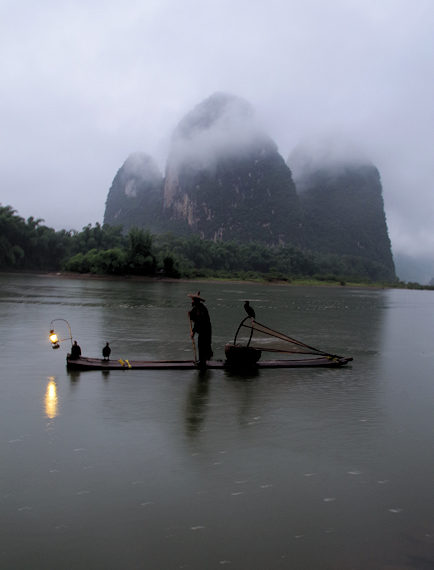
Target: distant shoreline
155, 279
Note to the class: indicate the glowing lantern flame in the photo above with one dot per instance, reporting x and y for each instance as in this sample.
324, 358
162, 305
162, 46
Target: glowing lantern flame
54, 339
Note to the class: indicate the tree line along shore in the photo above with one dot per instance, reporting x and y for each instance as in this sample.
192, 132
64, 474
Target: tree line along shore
104, 250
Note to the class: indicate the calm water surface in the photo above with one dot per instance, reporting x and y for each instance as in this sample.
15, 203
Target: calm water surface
294, 469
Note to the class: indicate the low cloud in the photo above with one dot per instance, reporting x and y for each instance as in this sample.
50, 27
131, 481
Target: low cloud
219, 127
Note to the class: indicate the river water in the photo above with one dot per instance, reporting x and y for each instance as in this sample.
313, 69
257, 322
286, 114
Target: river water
298, 469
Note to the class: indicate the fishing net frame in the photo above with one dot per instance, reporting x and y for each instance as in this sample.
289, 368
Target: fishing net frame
297, 347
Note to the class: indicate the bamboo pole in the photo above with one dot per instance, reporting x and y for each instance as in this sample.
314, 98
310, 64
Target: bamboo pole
192, 338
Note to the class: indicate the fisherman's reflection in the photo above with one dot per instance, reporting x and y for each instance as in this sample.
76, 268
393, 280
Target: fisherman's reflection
197, 402
73, 375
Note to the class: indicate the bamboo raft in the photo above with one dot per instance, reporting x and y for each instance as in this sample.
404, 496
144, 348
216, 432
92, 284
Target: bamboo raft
88, 363
243, 354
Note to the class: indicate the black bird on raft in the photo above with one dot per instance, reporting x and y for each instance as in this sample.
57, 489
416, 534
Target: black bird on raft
106, 351
249, 310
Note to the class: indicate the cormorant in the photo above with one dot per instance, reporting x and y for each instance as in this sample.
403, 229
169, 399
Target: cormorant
106, 351
249, 310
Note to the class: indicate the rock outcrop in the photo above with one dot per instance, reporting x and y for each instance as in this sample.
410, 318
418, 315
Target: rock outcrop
342, 206
135, 197
225, 179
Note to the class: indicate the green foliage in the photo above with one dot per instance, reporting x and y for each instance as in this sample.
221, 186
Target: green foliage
195, 257
97, 237
105, 262
27, 244
169, 267
140, 257
134, 256
105, 250
30, 245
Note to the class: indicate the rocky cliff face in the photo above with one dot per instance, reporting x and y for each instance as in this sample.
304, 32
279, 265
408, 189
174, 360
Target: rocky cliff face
342, 207
225, 179
135, 197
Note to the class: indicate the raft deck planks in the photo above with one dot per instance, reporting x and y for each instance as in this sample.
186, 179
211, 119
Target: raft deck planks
87, 363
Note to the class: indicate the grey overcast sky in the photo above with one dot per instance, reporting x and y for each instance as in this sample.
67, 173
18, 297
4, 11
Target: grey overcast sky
84, 83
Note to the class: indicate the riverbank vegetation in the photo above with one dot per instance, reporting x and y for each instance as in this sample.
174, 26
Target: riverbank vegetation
105, 250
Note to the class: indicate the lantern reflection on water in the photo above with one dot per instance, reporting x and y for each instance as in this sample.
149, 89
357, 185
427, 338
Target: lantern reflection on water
51, 401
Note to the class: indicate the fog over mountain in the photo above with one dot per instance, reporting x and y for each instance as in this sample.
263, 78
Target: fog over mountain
221, 165
341, 198
222, 126
332, 150
225, 180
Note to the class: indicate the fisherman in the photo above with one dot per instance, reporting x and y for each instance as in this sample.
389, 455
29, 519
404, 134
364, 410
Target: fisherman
75, 351
199, 316
106, 351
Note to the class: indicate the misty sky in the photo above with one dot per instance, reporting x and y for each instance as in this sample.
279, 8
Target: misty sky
85, 83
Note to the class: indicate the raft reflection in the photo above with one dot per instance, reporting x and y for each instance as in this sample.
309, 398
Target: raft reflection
51, 402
